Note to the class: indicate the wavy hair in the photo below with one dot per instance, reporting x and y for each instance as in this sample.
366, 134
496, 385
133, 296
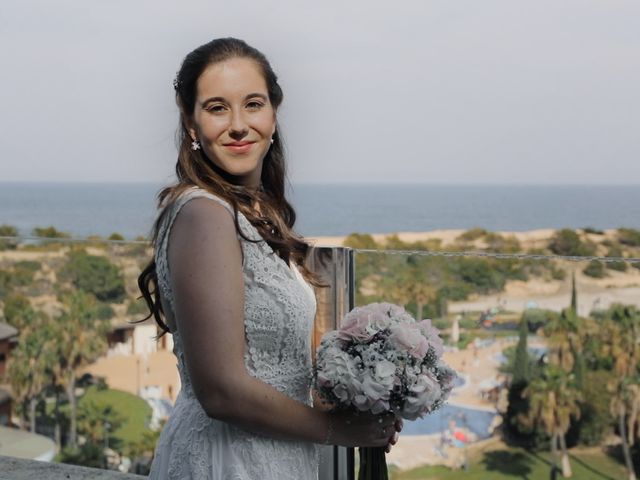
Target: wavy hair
193, 168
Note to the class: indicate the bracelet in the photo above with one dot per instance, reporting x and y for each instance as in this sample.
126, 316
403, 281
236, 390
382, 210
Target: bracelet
327, 440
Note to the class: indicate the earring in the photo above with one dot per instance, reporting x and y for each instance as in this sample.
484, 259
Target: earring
272, 140
195, 145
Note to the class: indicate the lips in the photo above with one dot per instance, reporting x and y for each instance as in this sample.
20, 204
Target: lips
239, 147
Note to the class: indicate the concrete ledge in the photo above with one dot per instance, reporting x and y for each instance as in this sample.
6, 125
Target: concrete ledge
19, 469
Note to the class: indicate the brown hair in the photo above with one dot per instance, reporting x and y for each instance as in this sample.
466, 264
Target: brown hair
193, 168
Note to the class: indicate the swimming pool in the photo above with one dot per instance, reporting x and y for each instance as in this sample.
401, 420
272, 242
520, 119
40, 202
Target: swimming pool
476, 420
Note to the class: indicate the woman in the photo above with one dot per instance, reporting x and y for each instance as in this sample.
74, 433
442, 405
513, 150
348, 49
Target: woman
228, 281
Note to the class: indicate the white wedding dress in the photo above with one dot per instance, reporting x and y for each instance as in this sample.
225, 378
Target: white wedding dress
279, 311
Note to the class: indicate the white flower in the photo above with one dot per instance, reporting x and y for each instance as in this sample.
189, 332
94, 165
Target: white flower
424, 393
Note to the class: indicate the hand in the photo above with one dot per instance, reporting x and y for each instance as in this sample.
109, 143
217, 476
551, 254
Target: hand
394, 438
365, 429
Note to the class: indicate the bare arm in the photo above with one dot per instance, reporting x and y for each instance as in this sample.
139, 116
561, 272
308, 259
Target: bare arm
205, 261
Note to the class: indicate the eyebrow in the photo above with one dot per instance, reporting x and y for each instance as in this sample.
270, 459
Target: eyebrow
222, 99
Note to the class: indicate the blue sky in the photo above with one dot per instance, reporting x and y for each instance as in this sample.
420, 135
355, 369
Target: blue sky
535, 92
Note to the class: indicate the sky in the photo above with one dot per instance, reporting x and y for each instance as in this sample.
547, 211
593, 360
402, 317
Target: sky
413, 91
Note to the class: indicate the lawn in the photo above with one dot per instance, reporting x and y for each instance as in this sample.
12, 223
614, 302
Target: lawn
135, 410
517, 463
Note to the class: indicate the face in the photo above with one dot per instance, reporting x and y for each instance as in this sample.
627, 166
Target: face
233, 119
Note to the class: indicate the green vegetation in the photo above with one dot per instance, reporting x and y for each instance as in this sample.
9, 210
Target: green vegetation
595, 269
593, 231
49, 232
629, 236
568, 242
8, 243
128, 414
518, 464
96, 275
116, 237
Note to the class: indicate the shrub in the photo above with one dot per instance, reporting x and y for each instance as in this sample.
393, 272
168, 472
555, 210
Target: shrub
558, 273
480, 274
28, 265
536, 318
104, 311
567, 242
472, 234
594, 269
116, 237
621, 265
8, 231
49, 232
498, 243
360, 240
629, 236
96, 275
593, 231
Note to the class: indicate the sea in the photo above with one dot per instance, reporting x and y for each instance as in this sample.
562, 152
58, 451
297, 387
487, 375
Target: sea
84, 209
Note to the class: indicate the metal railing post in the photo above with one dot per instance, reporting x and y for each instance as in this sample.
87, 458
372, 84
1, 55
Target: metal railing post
335, 266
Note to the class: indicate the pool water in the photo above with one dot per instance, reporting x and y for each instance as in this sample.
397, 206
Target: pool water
477, 421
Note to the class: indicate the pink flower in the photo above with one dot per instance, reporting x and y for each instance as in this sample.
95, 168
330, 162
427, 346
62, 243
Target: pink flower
409, 337
354, 326
362, 323
433, 336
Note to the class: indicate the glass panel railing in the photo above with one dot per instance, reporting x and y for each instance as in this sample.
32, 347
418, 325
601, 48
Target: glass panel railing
525, 318
546, 344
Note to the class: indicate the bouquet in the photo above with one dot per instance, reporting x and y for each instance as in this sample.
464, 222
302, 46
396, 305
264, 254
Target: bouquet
382, 360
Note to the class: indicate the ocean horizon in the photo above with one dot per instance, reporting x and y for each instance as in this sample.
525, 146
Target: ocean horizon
84, 209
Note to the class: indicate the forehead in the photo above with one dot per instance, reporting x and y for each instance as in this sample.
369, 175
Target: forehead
231, 78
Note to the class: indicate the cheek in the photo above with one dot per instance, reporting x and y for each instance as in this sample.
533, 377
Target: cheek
211, 128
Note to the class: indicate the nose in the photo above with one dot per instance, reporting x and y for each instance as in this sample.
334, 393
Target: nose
238, 128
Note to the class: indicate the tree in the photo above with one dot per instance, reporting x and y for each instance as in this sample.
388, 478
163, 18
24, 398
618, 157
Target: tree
81, 338
28, 368
625, 405
623, 335
96, 275
97, 421
554, 401
521, 371
18, 312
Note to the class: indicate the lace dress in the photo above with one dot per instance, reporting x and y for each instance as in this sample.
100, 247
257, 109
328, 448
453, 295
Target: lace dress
279, 309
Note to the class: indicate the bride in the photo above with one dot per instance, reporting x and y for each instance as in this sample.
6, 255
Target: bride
228, 281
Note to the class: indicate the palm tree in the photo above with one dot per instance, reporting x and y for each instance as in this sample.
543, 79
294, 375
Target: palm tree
554, 400
623, 336
81, 338
625, 405
27, 370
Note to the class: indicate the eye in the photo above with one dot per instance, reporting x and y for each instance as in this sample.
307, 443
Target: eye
255, 105
215, 108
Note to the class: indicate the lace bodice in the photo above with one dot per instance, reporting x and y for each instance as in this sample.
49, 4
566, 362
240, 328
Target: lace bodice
279, 310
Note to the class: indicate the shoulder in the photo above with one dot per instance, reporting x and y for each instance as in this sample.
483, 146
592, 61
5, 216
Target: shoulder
202, 216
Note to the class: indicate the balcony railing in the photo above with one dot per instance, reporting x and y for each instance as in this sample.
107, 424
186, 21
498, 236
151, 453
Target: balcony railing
485, 292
